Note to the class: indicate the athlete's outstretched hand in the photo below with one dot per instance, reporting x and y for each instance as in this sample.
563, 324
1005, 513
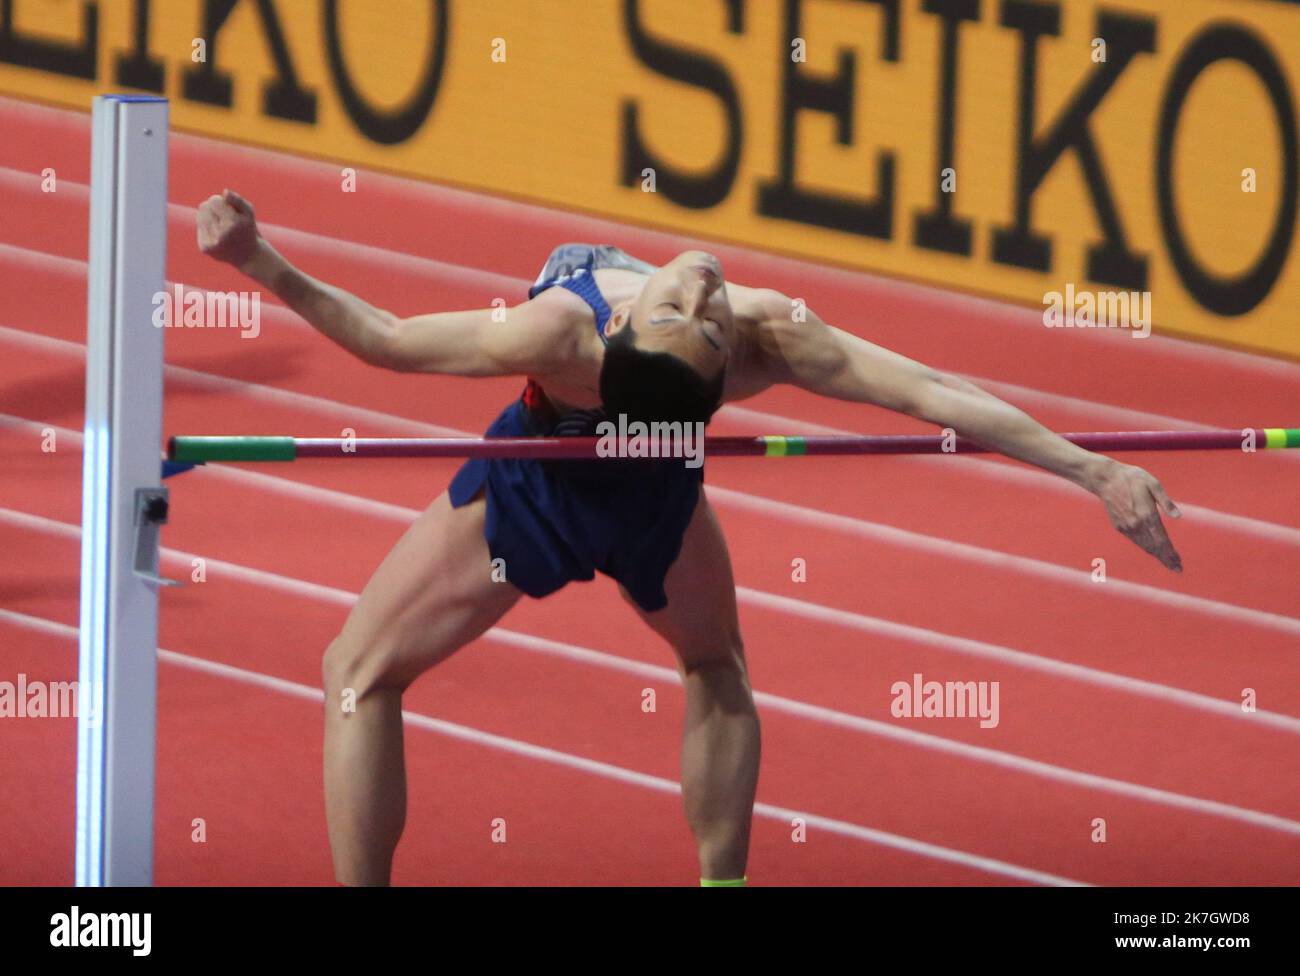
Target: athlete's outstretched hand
1134, 501
227, 228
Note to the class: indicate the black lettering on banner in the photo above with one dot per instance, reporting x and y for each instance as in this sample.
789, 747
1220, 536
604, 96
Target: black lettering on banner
73, 60
1110, 261
686, 189
139, 70
781, 197
282, 98
388, 128
937, 229
1240, 294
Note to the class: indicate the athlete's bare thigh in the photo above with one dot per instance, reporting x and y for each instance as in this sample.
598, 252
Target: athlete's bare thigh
433, 593
700, 622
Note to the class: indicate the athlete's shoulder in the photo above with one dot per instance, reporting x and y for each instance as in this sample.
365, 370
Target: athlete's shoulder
550, 327
557, 309
760, 304
757, 312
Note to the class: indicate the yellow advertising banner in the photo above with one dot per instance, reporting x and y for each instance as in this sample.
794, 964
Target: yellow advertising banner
1014, 148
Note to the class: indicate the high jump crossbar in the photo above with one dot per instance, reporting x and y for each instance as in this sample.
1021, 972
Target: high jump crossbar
201, 449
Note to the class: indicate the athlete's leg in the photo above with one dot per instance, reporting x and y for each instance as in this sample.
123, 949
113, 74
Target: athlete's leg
720, 742
431, 595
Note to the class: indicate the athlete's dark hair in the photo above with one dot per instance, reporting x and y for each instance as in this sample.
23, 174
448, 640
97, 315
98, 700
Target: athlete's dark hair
654, 386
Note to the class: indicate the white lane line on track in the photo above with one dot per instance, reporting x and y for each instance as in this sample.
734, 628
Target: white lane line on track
1033, 478
937, 545
1076, 778
996, 559
254, 391
1025, 660
594, 767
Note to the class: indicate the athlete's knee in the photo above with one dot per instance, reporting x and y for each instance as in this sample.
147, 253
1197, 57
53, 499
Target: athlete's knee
360, 667
718, 671
723, 655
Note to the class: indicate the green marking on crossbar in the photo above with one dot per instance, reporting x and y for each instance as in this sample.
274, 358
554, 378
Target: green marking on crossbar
1281, 437
778, 446
200, 449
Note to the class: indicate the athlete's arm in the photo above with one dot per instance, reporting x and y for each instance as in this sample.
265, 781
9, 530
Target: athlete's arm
823, 359
527, 339
477, 342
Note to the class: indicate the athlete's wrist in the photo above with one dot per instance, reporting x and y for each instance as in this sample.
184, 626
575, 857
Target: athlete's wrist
261, 261
1094, 470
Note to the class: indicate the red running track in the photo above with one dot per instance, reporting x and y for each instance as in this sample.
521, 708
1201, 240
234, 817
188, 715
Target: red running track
1118, 700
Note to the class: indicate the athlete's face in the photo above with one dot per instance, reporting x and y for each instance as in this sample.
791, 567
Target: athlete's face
683, 310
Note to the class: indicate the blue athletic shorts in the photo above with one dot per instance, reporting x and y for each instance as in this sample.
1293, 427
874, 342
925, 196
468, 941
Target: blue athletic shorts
557, 521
